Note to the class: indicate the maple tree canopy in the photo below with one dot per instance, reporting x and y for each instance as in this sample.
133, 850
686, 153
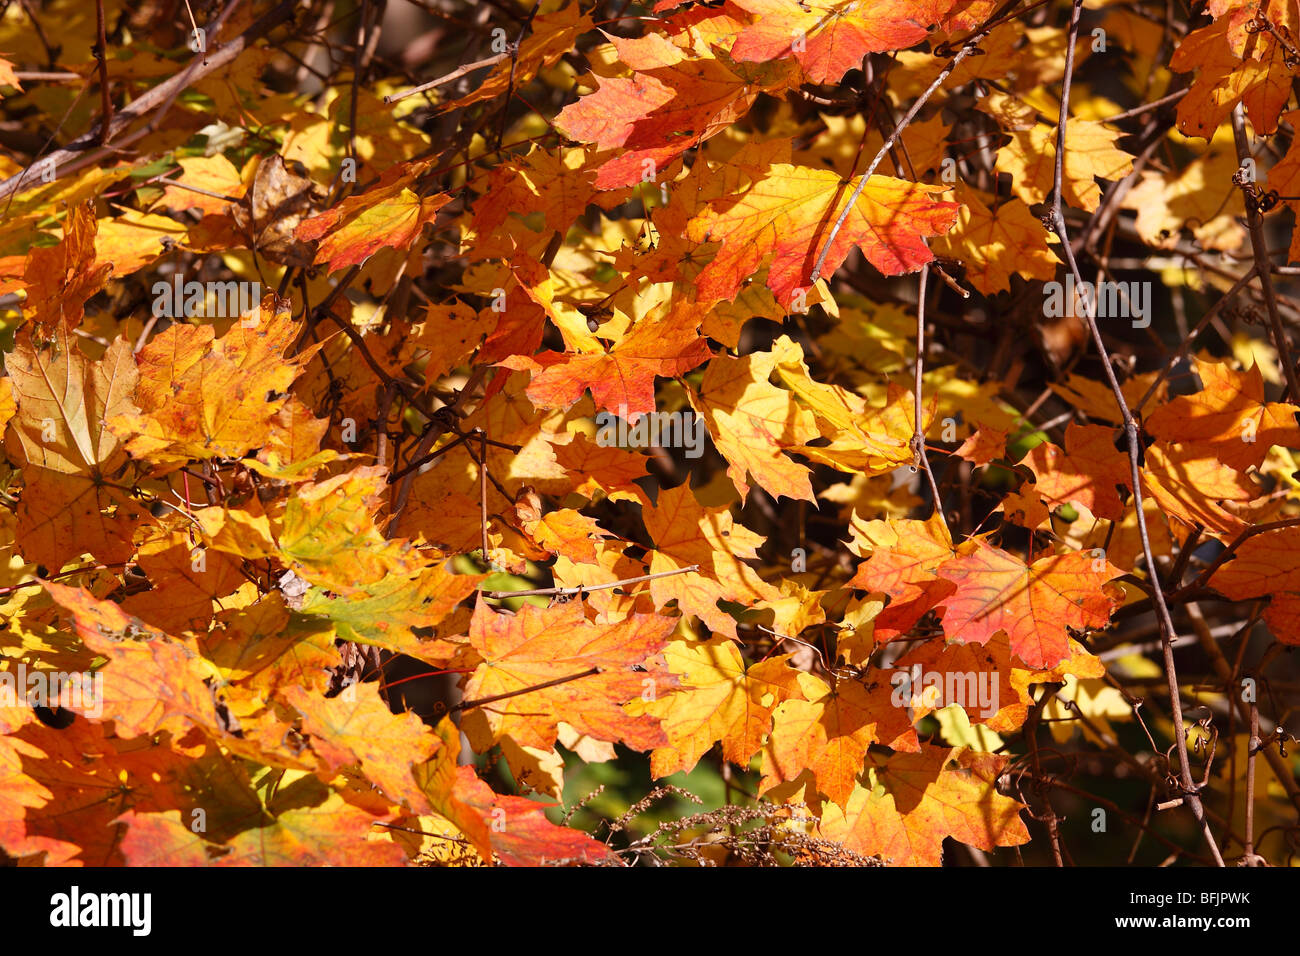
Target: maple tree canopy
579, 432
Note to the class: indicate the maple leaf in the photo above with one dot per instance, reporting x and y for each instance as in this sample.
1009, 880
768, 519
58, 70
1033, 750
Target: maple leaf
263, 648
185, 580
589, 669
57, 785
978, 678
1096, 400
669, 104
905, 558
1090, 152
1194, 487
134, 239
983, 446
861, 437
1199, 197
61, 401
830, 37
1228, 419
752, 422
787, 214
551, 36
386, 612
720, 699
202, 397
329, 531
358, 728
71, 503
921, 801
622, 379
388, 215
279, 198
7, 75
59, 279
1233, 67
156, 682
687, 534
512, 829
232, 521
215, 175
829, 730
1264, 566
522, 836
1034, 603
330, 833
596, 469
998, 242
1087, 472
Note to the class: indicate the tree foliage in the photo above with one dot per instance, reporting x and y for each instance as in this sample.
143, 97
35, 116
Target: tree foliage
463, 433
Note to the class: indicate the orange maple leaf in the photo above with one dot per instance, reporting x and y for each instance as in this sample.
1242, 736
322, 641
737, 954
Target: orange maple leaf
830, 37
1034, 603
923, 801
388, 215
828, 732
539, 647
1087, 472
787, 215
719, 699
1228, 419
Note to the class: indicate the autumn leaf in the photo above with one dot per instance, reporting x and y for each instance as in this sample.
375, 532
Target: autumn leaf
389, 214
1229, 419
1234, 67
720, 700
59, 279
919, 801
357, 728
547, 660
62, 400
904, 562
202, 397
752, 422
787, 215
1196, 488
1264, 566
1090, 153
710, 550
326, 834
156, 682
831, 37
668, 105
1088, 471
997, 242
622, 379
374, 574
1034, 602
828, 731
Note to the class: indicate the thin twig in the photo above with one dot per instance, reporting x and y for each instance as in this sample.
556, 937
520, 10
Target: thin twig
918, 431
453, 75
1263, 269
585, 588
470, 704
967, 48
1167, 632
101, 54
